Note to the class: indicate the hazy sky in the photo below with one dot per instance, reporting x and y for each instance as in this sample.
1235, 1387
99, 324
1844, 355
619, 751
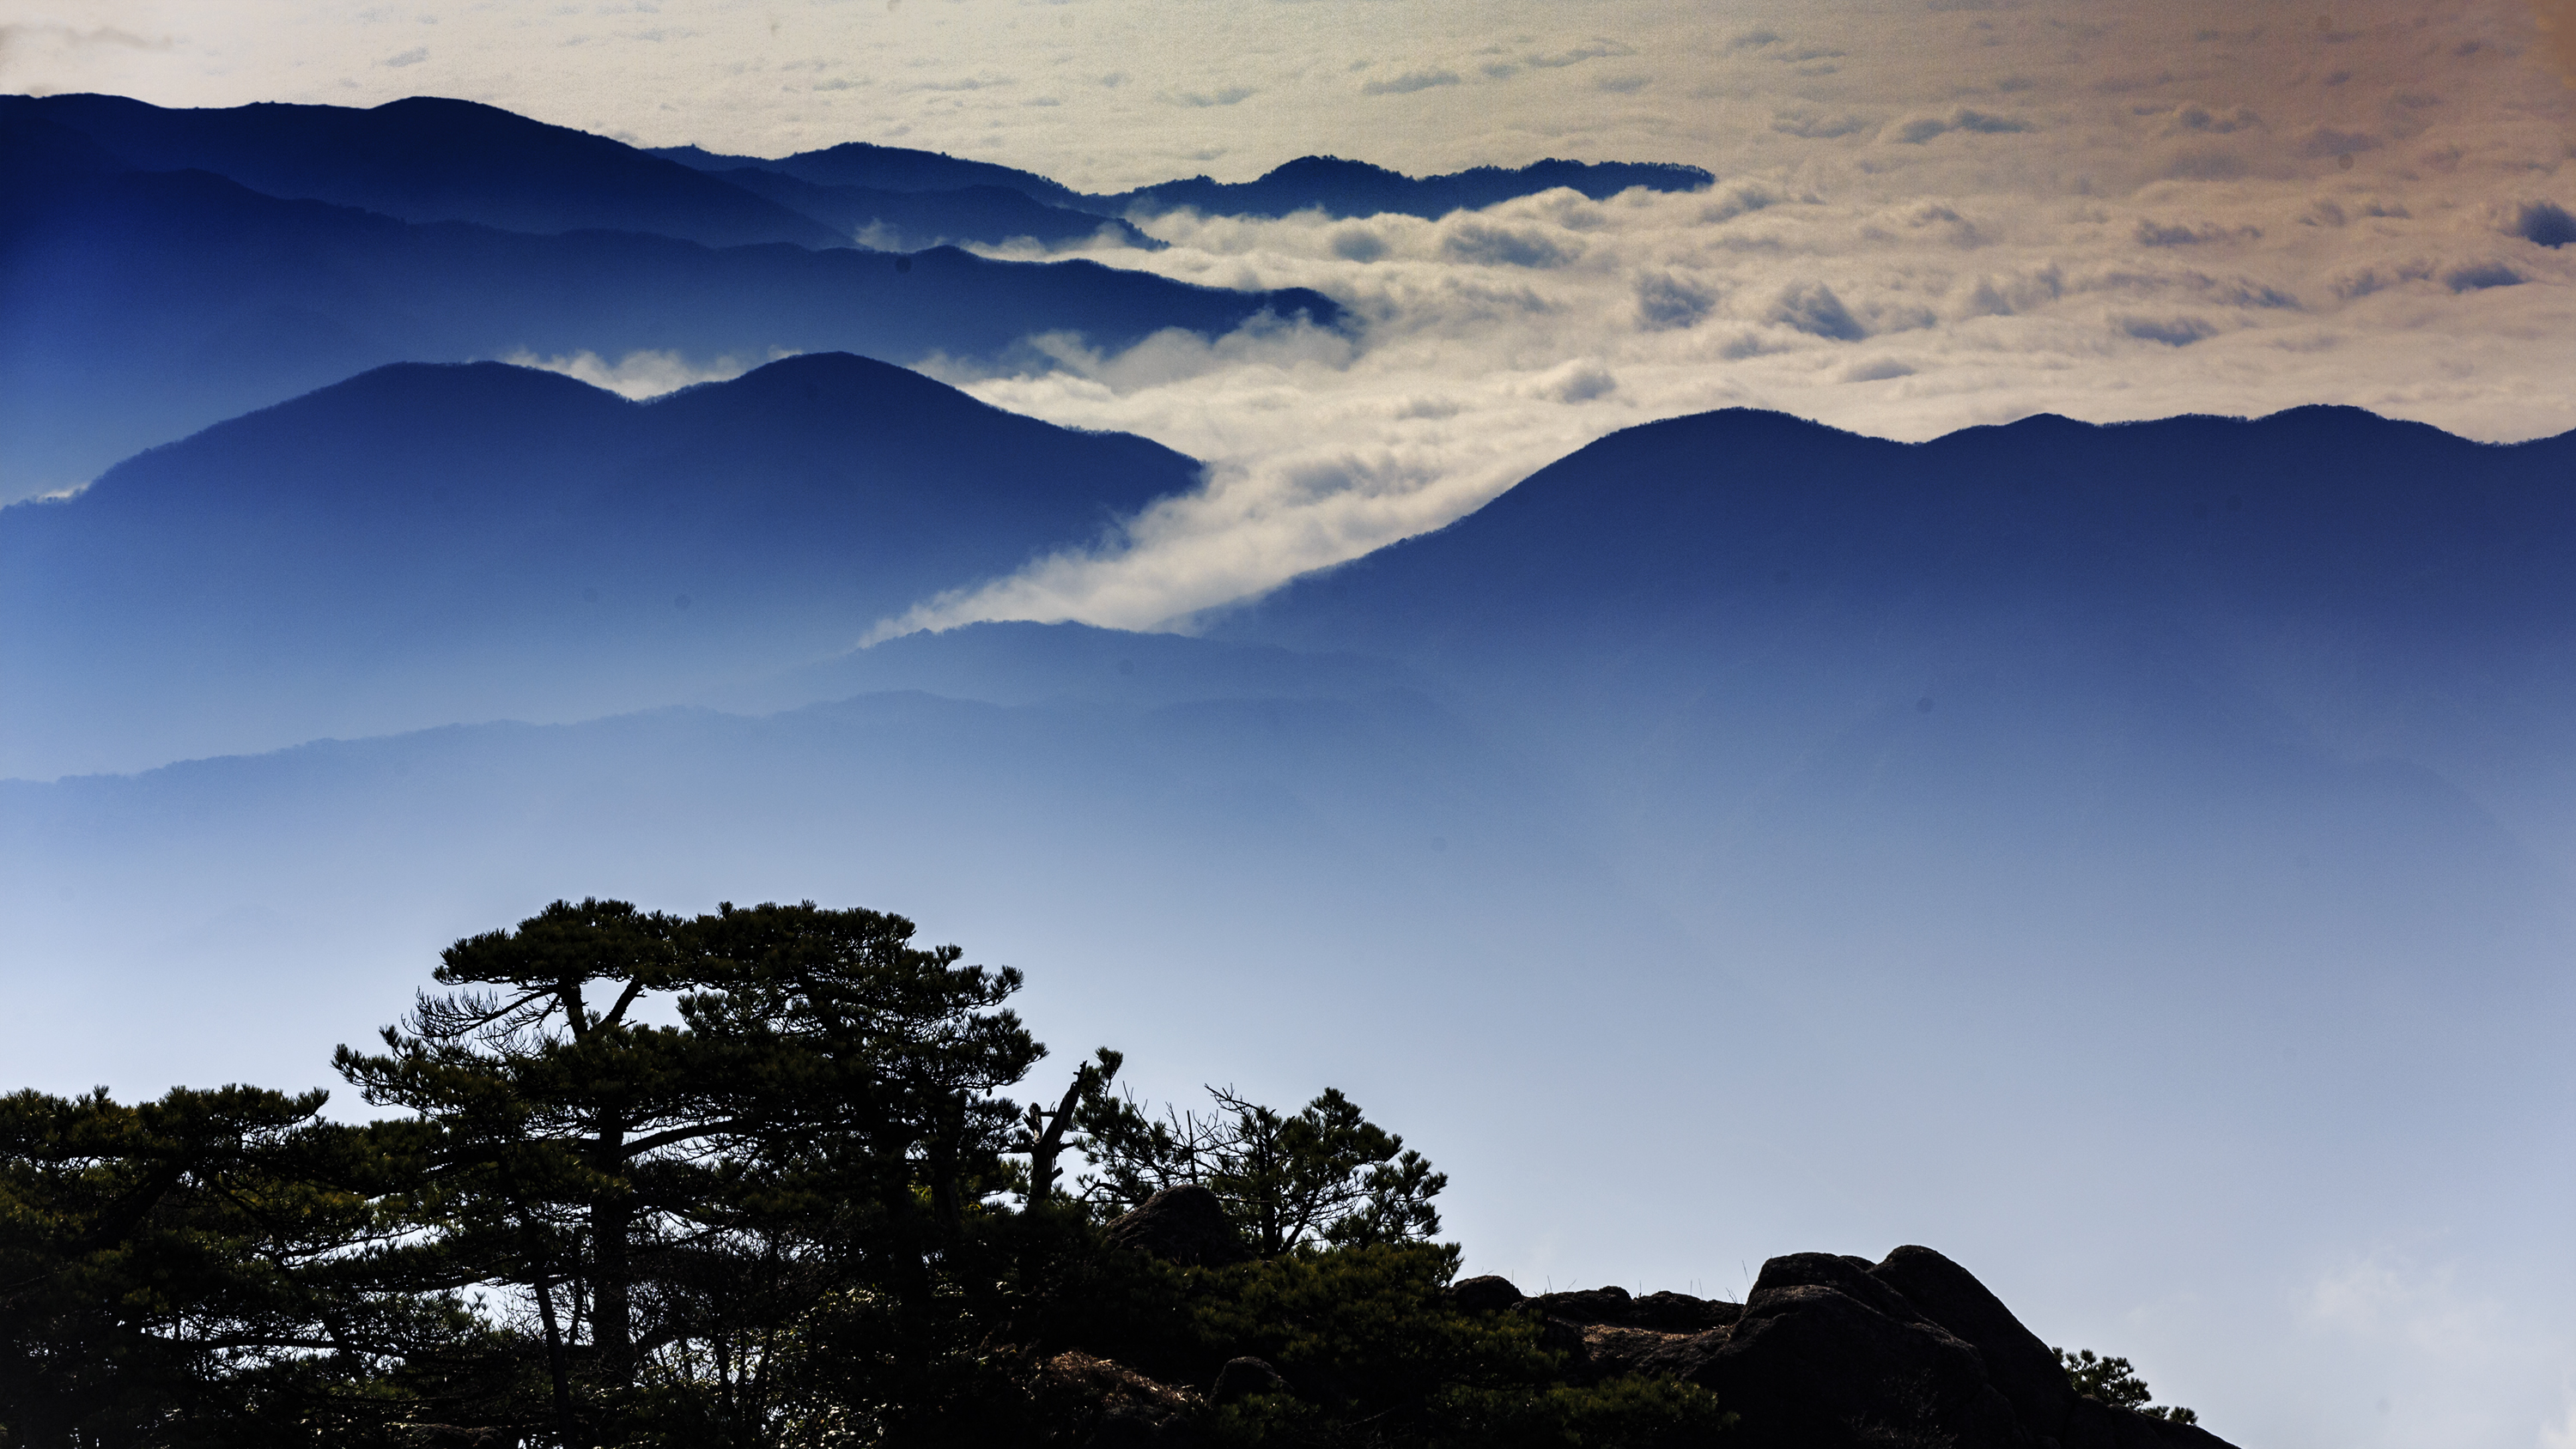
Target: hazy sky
1928, 215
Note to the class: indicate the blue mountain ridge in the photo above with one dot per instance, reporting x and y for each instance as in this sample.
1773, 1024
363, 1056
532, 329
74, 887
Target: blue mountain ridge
884, 168
425, 543
425, 159
429, 158
145, 305
1742, 617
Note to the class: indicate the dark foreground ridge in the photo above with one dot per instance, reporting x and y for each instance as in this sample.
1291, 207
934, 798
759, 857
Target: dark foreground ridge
1826, 1351
800, 1230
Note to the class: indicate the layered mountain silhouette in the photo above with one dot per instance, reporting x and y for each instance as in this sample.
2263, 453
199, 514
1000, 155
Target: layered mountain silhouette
1327, 183
145, 305
165, 268
1142, 857
424, 544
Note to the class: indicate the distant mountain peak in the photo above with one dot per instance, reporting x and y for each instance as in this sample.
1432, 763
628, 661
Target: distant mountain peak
882, 168
1341, 187
1333, 167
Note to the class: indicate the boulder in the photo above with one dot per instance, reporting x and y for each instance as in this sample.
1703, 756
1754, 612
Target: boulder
1854, 1278
1681, 1313
1185, 1225
1489, 1293
1812, 1367
1585, 1305
1835, 1352
1662, 1312
2024, 1369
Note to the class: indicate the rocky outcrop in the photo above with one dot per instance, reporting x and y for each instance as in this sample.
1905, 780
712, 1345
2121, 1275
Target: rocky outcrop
1113, 1406
1660, 1312
1833, 1352
1488, 1294
1185, 1225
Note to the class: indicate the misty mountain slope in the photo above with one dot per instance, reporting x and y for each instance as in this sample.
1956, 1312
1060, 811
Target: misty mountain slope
1355, 188
884, 168
144, 306
1022, 663
431, 543
913, 220
1699, 618
431, 159
1202, 837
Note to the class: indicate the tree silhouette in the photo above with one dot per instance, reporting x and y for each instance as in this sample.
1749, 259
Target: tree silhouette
1324, 1174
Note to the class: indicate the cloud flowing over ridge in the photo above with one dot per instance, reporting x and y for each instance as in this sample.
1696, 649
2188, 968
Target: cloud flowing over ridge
1929, 215
2368, 211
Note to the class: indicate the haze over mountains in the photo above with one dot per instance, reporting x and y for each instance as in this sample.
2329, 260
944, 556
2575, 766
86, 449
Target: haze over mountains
2318, 580
424, 544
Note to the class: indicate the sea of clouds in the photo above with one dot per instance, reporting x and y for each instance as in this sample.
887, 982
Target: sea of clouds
1927, 216
2372, 209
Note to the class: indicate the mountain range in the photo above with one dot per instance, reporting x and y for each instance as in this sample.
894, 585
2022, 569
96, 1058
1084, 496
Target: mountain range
883, 168
163, 269
1328, 184
428, 159
1341, 188
143, 306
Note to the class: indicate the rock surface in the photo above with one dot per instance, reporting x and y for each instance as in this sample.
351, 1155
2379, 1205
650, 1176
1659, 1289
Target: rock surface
1835, 1352
1185, 1225
1826, 1352
1488, 1294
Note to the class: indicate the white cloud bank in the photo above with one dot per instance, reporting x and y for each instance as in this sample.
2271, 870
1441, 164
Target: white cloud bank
1928, 215
2368, 214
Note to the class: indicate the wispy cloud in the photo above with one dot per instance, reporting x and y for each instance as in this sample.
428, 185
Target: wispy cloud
640, 375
